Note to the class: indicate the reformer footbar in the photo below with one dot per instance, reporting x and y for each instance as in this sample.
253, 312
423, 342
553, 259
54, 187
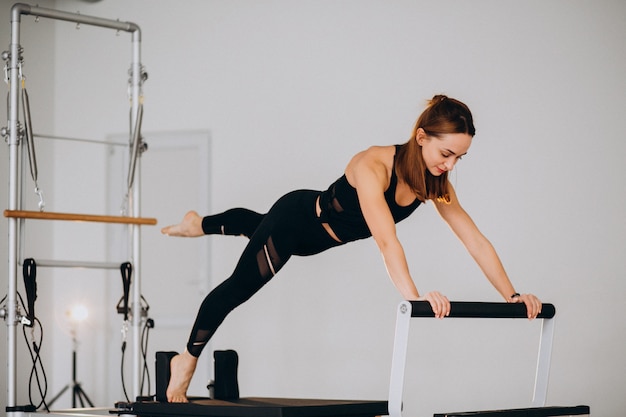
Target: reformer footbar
415, 309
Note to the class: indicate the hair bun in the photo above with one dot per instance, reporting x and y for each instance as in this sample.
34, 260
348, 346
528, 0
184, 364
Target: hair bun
438, 99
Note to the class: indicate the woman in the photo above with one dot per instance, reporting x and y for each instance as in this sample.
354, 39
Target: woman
381, 186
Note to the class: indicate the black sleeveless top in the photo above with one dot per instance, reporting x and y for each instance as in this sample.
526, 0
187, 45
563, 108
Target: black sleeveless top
341, 209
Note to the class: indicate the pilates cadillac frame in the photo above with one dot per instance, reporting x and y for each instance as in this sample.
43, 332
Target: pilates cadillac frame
15, 215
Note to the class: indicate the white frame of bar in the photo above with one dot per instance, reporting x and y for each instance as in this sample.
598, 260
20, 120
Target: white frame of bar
407, 310
15, 182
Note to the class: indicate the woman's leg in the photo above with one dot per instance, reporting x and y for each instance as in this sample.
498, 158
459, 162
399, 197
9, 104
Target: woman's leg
289, 228
259, 262
233, 222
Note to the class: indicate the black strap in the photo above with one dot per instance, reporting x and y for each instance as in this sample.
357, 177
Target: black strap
29, 269
127, 271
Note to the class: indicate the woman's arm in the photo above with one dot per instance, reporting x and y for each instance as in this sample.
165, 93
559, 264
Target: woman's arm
483, 253
368, 173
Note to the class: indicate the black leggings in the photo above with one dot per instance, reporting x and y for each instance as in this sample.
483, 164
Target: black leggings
289, 228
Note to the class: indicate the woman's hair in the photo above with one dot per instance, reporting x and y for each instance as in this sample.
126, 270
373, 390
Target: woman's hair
443, 115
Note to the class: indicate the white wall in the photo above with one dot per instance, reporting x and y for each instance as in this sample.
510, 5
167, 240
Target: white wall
290, 90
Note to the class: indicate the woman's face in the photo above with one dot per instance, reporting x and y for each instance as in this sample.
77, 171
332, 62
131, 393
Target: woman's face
442, 152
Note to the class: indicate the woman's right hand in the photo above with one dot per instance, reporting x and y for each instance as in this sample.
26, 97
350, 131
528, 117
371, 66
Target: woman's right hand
438, 302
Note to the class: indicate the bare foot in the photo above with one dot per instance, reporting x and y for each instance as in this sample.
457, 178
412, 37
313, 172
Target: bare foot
182, 367
190, 226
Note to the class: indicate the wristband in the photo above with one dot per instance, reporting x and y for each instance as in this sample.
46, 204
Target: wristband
515, 295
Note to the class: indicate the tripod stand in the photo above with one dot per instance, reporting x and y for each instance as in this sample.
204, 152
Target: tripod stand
77, 391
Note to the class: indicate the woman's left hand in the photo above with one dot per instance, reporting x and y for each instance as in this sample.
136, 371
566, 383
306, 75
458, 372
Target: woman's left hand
438, 302
533, 304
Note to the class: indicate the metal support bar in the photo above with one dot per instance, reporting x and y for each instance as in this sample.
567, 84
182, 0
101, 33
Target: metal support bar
84, 140
26, 9
49, 263
459, 309
544, 357
398, 360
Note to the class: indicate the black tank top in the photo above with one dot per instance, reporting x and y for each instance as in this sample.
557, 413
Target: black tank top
341, 209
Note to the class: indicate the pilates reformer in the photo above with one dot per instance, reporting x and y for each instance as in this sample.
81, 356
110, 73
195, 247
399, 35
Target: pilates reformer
223, 406
18, 136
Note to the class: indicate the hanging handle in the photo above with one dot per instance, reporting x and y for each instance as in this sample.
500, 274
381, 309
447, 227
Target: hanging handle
30, 142
32, 159
135, 147
122, 306
29, 269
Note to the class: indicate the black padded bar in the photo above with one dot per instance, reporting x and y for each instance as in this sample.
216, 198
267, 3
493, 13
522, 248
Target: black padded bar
472, 309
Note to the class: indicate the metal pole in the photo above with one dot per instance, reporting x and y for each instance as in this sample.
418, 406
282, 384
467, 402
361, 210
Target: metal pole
74, 375
398, 360
13, 201
75, 17
544, 357
136, 81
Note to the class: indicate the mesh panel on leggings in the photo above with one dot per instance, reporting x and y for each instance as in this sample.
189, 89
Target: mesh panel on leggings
201, 339
268, 260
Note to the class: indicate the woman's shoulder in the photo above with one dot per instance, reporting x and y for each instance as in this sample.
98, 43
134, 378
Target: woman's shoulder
375, 158
376, 154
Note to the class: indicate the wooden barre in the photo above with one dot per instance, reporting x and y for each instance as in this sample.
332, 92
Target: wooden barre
42, 215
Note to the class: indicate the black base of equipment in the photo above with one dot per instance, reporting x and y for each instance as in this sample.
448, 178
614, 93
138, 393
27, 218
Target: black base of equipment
260, 407
581, 410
